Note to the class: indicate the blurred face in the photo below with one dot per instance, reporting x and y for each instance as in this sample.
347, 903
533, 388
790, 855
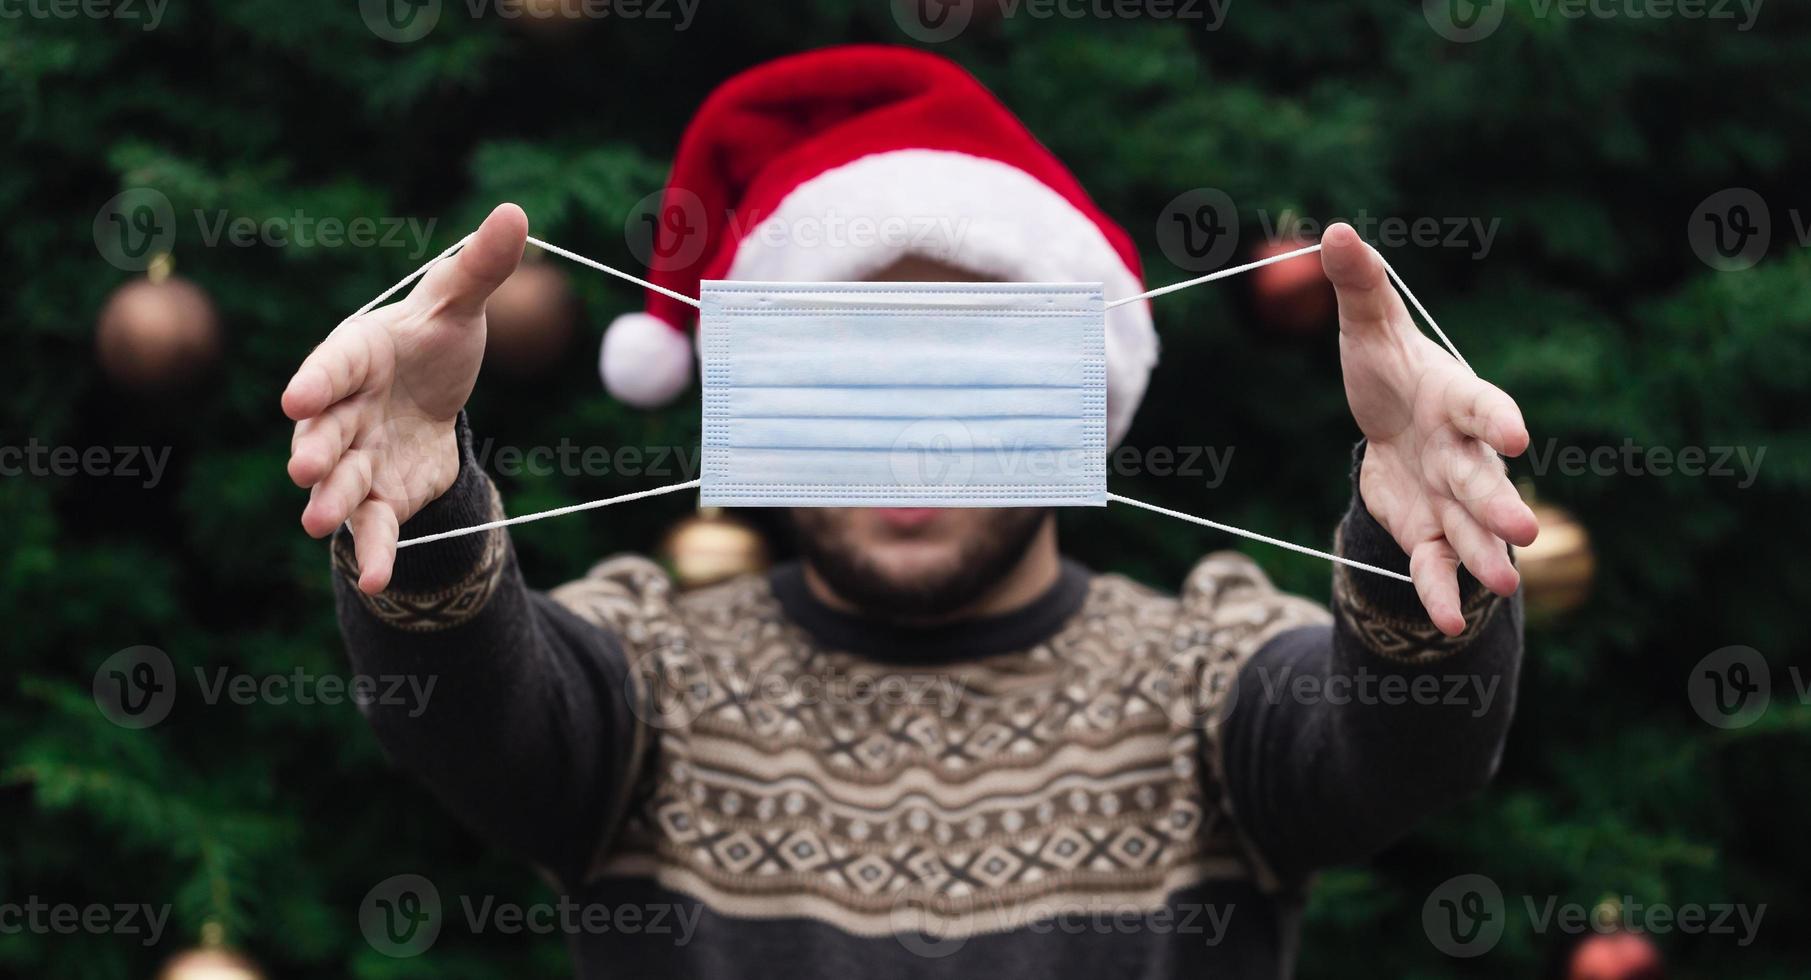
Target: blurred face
915, 563
919, 562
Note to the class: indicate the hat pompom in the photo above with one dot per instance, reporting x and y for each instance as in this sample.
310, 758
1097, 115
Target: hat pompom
645, 361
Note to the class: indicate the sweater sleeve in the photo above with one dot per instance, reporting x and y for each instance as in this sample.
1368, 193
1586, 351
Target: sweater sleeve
525, 731
1344, 735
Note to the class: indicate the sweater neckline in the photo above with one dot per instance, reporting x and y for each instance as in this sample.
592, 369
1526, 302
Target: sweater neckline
1019, 629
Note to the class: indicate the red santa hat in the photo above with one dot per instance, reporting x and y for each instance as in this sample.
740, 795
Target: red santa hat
836, 164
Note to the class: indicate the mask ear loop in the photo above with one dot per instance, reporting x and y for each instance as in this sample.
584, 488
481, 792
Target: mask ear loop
1253, 535
1116, 498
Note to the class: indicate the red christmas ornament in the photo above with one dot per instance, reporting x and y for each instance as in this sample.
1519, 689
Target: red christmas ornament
1293, 295
1616, 956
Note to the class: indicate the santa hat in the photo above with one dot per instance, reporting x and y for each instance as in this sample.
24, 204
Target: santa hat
836, 164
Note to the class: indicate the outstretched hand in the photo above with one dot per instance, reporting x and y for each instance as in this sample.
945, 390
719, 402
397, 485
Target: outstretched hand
376, 404
1431, 474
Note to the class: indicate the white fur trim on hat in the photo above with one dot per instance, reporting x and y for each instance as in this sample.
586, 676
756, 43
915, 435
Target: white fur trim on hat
645, 361
988, 217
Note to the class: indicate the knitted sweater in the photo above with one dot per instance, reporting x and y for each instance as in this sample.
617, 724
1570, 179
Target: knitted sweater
1109, 781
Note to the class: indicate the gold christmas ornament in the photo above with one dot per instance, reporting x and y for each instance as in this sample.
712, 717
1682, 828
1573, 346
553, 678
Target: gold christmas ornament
209, 963
1558, 569
710, 547
156, 332
529, 318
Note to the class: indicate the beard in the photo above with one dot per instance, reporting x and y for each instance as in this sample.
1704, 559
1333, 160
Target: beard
982, 560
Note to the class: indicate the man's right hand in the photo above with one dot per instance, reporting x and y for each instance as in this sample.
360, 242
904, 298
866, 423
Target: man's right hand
376, 404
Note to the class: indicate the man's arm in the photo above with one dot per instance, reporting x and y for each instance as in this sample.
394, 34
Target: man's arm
1343, 736
526, 732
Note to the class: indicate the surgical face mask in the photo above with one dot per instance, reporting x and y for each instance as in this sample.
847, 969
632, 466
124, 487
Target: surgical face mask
903, 394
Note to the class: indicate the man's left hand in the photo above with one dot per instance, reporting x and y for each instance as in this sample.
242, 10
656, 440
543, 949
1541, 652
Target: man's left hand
1431, 474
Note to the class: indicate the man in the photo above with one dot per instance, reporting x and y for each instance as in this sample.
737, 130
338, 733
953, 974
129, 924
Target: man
934, 739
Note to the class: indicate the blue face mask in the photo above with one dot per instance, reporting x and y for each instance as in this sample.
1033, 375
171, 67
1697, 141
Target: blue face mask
903, 394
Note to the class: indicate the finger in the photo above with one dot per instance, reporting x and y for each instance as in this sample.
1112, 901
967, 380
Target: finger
1434, 568
1484, 554
319, 443
1483, 488
334, 498
333, 371
1485, 412
1366, 299
374, 531
462, 284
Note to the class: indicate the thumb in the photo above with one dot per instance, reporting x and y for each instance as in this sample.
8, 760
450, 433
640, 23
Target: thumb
1359, 281
462, 284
